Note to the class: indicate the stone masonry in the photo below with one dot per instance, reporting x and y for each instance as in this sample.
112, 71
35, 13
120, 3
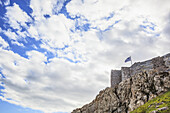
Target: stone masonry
116, 77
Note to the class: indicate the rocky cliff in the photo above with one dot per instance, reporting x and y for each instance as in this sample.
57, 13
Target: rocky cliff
133, 92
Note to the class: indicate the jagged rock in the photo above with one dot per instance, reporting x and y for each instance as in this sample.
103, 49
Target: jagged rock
133, 92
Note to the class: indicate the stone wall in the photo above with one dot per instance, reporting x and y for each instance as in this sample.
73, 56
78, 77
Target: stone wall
138, 67
166, 59
141, 66
115, 77
157, 62
125, 73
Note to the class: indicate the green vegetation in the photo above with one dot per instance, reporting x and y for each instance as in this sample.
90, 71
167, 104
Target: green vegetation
162, 101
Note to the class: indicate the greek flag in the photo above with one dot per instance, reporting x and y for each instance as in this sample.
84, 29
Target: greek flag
128, 59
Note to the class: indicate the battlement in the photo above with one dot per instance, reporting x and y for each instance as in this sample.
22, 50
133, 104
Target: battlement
159, 63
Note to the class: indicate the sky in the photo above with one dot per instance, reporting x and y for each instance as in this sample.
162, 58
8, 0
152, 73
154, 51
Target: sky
56, 55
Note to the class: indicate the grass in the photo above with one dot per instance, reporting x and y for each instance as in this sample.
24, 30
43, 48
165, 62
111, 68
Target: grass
155, 104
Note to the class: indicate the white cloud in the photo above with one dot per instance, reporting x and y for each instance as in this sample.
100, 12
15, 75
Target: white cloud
16, 17
17, 43
15, 37
33, 32
52, 87
11, 35
7, 2
96, 9
43, 7
3, 43
53, 32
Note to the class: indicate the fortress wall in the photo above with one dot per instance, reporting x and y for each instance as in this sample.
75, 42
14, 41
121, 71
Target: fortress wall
158, 63
125, 73
138, 67
116, 77
166, 59
141, 66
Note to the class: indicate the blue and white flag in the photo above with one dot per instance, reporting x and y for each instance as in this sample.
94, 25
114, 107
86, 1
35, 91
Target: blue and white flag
128, 59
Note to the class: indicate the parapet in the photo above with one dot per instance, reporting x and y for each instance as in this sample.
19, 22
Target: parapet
116, 77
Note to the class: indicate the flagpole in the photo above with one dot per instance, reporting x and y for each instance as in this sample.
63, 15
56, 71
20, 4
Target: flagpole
130, 70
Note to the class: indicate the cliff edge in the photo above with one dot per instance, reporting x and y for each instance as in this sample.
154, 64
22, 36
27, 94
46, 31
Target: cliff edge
145, 84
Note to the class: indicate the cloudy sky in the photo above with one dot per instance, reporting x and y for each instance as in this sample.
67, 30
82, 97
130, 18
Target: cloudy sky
56, 55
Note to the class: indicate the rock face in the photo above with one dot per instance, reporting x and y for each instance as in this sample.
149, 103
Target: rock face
145, 84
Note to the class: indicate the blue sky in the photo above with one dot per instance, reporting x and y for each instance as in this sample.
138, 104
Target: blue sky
10, 108
56, 55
